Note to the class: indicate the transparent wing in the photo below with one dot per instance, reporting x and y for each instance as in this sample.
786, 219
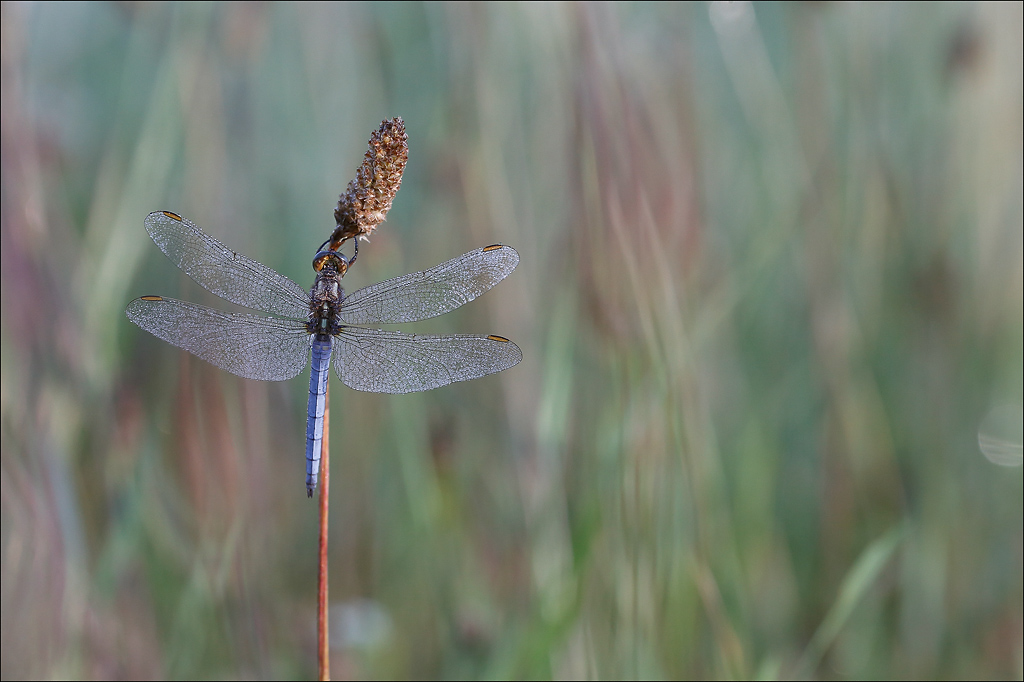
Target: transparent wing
391, 362
223, 272
253, 347
433, 292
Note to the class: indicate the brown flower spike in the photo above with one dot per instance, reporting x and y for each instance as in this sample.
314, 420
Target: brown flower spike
366, 202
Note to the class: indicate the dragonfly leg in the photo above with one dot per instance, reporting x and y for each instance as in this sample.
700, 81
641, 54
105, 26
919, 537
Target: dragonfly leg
355, 252
332, 250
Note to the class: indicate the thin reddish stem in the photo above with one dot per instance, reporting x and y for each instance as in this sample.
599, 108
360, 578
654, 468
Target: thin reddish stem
323, 648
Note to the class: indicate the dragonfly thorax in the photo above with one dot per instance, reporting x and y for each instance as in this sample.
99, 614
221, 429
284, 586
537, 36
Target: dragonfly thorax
324, 301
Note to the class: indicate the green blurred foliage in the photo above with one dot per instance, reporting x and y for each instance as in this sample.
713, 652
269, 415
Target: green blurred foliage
771, 284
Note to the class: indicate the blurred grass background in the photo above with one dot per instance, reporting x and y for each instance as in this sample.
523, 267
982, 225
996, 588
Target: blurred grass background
771, 286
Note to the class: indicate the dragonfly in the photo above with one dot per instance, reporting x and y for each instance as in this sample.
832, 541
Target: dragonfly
324, 323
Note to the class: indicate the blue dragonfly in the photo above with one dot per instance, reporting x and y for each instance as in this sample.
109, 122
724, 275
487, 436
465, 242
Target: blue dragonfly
323, 323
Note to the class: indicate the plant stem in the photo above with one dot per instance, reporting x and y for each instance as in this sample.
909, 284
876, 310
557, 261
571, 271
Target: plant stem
323, 648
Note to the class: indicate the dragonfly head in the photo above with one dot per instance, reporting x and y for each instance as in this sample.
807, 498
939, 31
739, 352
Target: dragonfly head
332, 258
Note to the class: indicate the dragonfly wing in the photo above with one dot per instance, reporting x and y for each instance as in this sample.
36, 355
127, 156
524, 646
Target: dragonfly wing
421, 295
391, 362
250, 346
223, 272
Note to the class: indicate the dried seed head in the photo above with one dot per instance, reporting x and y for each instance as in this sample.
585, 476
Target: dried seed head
366, 202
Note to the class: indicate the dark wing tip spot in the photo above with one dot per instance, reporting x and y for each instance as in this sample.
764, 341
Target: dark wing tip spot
495, 337
493, 247
151, 298
172, 216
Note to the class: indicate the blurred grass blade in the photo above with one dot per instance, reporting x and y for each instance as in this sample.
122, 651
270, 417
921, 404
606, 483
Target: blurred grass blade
857, 582
769, 669
999, 437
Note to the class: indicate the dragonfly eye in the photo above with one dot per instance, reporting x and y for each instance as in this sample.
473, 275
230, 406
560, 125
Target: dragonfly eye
323, 257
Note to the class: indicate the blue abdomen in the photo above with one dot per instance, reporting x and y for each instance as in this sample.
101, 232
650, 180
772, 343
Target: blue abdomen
321, 352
